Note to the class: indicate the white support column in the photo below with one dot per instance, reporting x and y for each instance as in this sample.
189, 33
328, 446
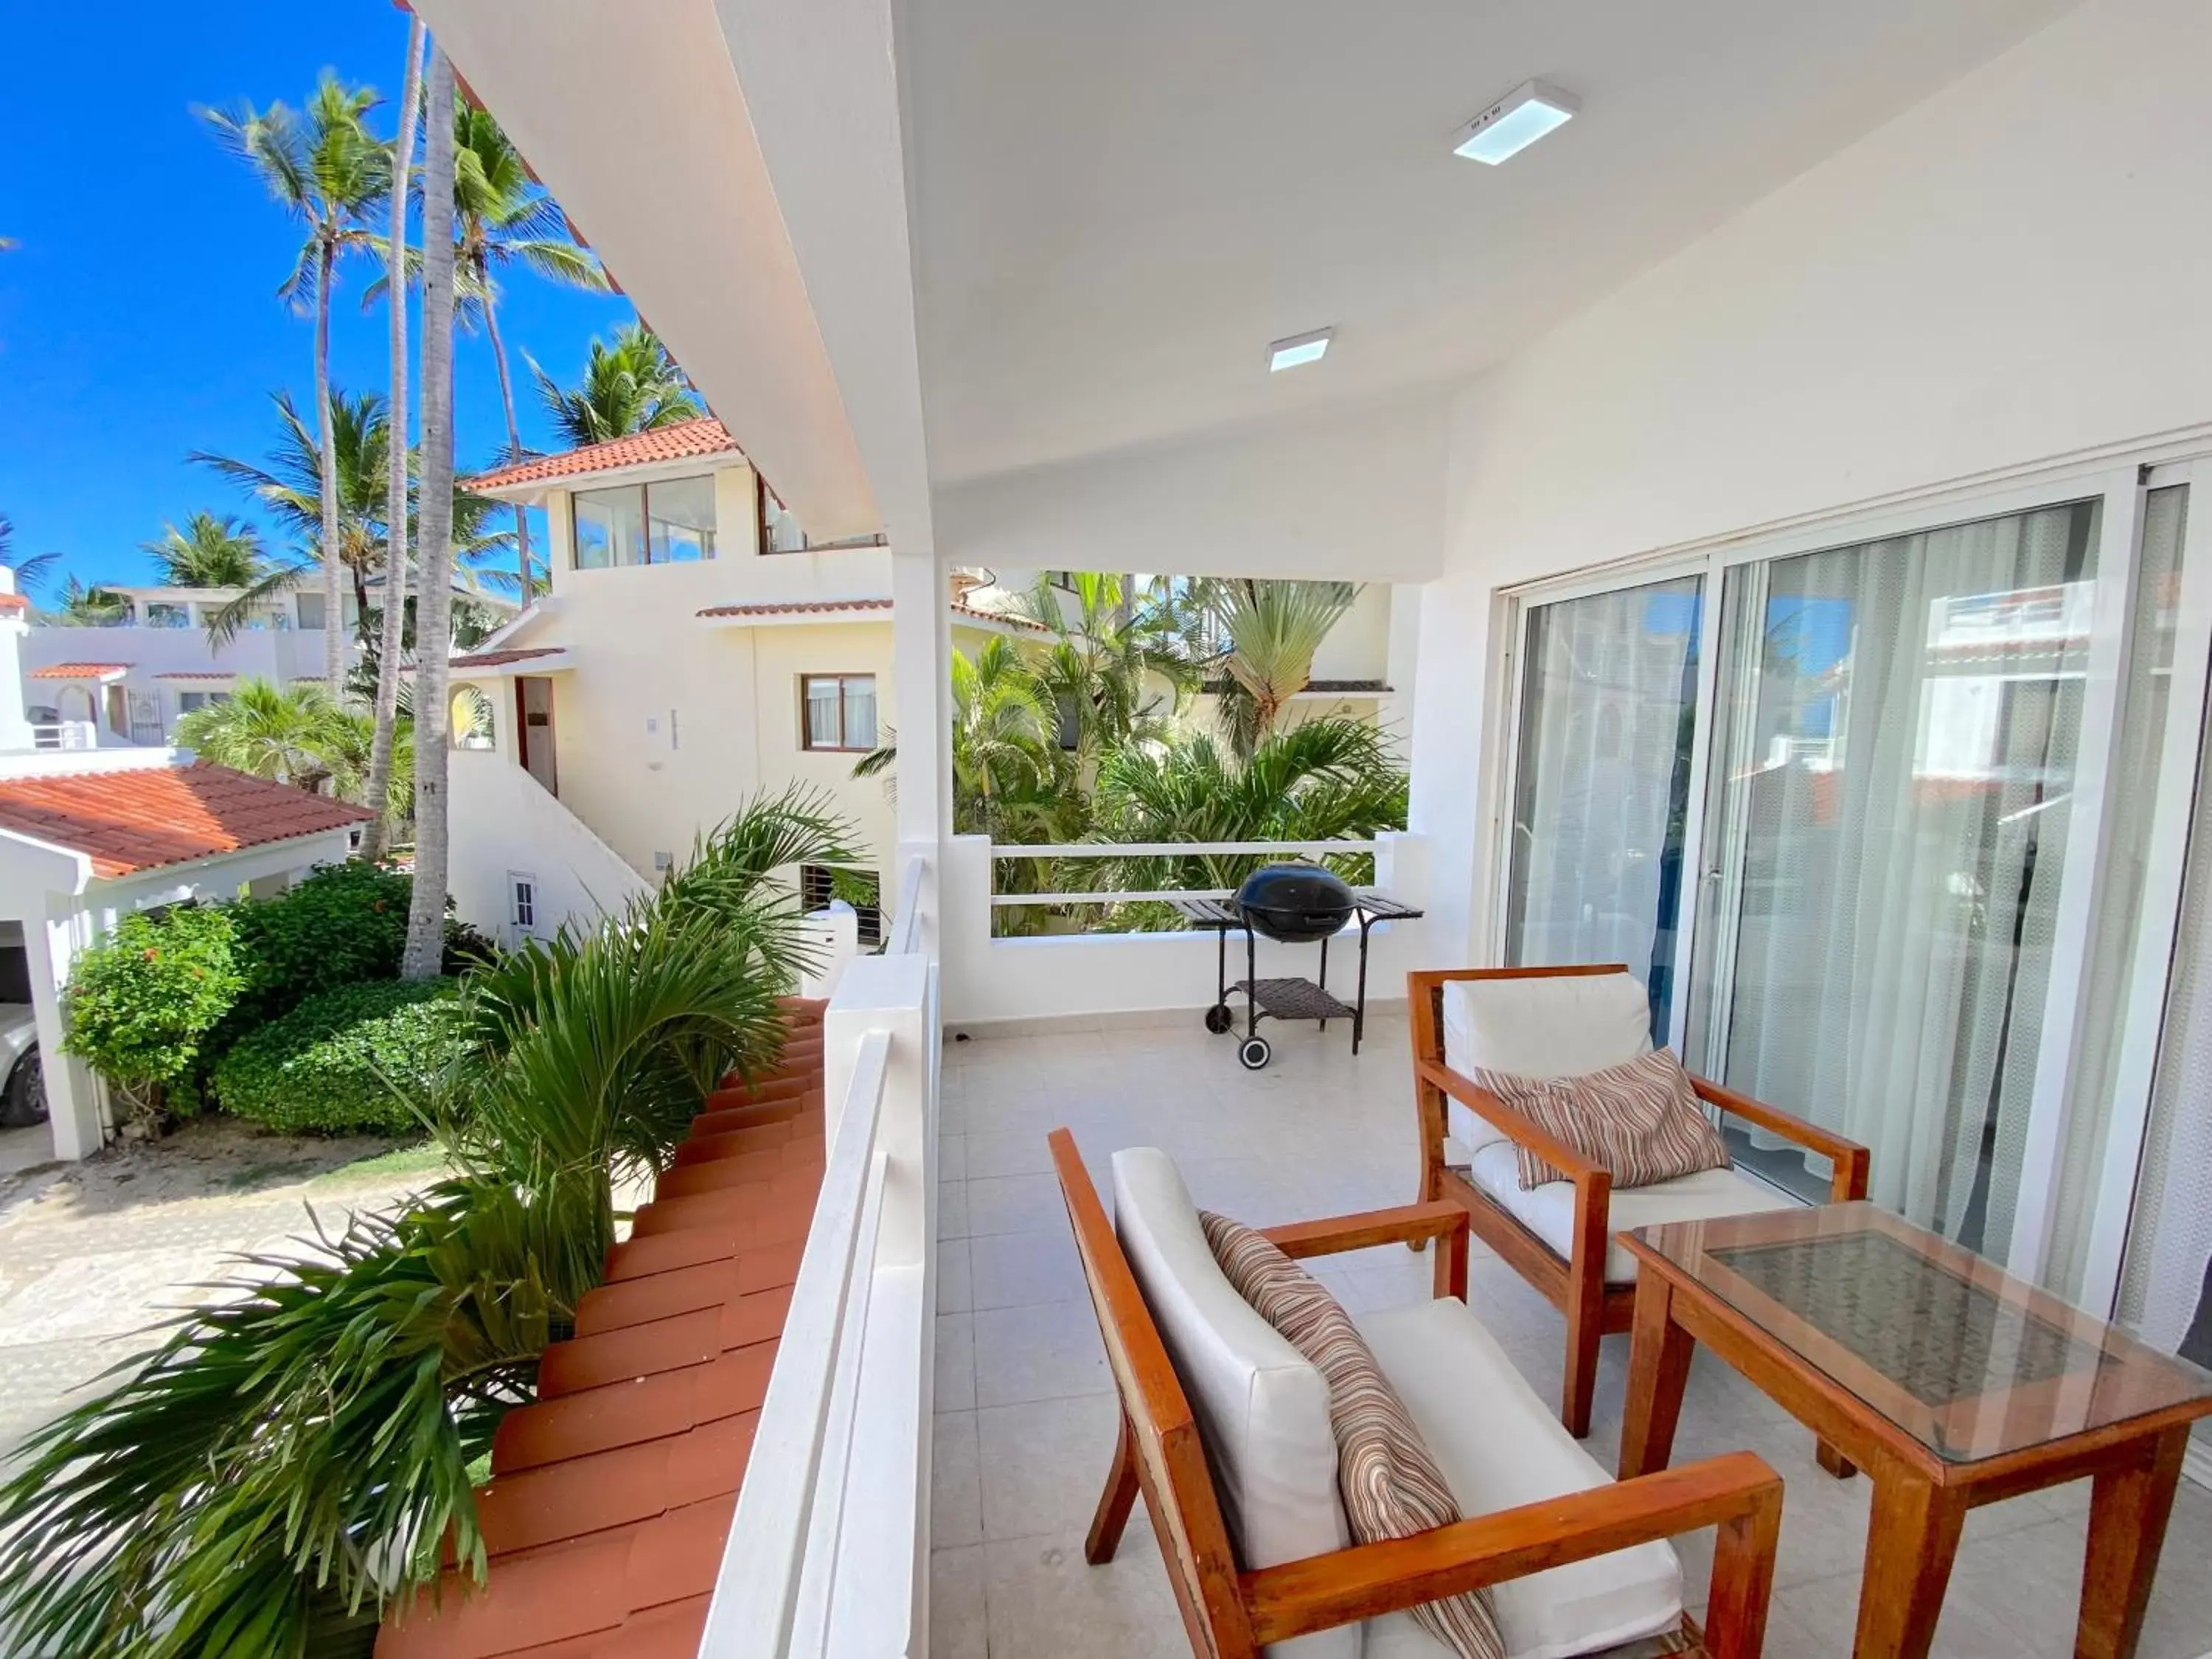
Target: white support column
73, 1096
921, 672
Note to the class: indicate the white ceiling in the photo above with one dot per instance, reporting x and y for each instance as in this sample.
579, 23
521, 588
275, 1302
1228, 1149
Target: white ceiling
1118, 206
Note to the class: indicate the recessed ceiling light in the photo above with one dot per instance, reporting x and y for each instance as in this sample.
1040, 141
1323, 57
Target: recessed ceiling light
1298, 350
1515, 122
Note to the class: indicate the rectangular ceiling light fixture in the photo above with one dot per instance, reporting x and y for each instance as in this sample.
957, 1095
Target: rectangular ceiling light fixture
1515, 122
1298, 350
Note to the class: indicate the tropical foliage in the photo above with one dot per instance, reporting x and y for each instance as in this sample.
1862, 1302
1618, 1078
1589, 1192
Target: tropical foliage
633, 385
345, 1061
290, 734
209, 552
295, 1455
143, 1000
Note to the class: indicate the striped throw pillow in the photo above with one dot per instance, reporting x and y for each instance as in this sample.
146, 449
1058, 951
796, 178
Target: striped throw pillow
1391, 1485
1640, 1119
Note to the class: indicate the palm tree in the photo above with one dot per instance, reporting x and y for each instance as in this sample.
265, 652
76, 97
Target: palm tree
325, 170
287, 483
89, 607
633, 386
385, 706
32, 573
425, 914
209, 552
1271, 630
506, 219
1117, 673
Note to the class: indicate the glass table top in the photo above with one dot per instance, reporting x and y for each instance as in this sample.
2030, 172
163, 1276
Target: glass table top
1968, 1360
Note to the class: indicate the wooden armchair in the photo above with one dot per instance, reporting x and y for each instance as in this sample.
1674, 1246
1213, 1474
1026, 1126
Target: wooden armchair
1563, 1247
1231, 1609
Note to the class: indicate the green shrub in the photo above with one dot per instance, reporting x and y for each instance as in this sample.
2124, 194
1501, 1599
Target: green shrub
142, 1002
344, 924
345, 1060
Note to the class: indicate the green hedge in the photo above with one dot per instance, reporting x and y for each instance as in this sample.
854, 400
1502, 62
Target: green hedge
345, 1060
142, 1002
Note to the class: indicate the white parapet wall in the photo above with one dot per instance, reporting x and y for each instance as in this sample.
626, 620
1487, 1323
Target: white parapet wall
506, 829
1074, 977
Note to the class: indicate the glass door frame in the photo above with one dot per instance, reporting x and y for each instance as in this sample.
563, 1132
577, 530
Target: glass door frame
2121, 484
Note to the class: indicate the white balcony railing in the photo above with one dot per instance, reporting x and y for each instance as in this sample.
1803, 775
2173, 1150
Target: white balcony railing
65, 734
1178, 849
827, 1551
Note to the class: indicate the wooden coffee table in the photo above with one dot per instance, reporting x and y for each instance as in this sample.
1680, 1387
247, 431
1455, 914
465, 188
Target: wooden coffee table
1950, 1383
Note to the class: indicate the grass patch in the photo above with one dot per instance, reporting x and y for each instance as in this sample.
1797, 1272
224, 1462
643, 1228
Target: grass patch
423, 1157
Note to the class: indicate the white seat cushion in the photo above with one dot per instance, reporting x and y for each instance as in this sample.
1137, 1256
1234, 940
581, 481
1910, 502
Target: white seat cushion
1548, 1211
1500, 1446
1262, 1408
1560, 1025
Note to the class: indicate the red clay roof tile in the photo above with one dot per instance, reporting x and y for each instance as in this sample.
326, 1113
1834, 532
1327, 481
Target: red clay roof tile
704, 436
140, 818
611, 1495
500, 659
78, 670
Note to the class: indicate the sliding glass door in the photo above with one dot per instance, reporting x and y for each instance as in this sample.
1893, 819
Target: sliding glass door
1894, 829
1601, 792
1898, 735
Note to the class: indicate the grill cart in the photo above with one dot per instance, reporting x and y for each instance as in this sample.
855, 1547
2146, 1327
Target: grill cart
1292, 904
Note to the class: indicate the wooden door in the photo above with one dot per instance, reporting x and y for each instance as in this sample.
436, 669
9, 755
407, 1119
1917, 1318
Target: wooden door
533, 709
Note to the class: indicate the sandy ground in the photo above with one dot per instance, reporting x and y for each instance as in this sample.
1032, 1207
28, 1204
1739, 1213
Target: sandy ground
95, 1255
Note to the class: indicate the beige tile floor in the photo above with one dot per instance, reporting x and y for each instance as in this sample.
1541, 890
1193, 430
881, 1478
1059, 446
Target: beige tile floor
1026, 1417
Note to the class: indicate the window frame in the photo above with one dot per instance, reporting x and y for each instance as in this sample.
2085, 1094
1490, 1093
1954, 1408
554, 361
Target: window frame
710, 539
522, 902
763, 493
805, 726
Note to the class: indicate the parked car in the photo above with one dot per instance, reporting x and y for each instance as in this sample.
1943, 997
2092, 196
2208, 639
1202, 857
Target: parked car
23, 1100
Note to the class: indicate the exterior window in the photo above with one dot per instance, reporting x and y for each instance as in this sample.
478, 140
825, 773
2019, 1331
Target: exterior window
187, 701
840, 711
818, 884
311, 609
670, 522
160, 614
522, 908
779, 530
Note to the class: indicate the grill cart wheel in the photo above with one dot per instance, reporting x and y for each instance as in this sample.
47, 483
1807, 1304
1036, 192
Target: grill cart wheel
1219, 1018
1253, 1053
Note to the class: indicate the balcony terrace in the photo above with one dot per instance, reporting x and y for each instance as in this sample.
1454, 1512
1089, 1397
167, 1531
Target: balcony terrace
1025, 1416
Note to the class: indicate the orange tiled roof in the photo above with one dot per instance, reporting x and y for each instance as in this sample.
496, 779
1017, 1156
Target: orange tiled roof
497, 659
611, 1495
680, 442
78, 670
142, 817
200, 674
14, 602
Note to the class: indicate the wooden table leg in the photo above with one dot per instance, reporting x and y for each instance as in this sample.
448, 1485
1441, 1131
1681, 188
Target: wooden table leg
1912, 1538
1658, 1370
2128, 1513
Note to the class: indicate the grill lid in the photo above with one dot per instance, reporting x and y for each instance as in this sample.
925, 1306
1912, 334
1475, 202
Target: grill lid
1295, 903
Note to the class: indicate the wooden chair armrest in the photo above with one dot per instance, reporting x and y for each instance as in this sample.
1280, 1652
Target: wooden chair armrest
1522, 1130
1404, 1225
1738, 1492
1849, 1180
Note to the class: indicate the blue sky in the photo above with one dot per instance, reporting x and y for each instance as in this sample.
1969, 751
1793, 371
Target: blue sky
138, 315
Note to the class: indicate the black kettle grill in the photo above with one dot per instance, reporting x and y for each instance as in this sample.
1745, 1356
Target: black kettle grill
1295, 903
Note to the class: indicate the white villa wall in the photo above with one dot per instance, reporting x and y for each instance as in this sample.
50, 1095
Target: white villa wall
505, 824
2010, 274
259, 654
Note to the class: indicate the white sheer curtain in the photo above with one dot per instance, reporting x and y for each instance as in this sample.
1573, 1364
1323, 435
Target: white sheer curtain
1604, 755
1893, 804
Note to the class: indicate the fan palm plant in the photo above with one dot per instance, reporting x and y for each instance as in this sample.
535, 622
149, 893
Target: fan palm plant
89, 607
633, 385
1270, 631
325, 169
290, 734
297, 1456
209, 552
1119, 671
1332, 779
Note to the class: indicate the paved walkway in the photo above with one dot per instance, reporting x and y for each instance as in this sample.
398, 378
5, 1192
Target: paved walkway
93, 1255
